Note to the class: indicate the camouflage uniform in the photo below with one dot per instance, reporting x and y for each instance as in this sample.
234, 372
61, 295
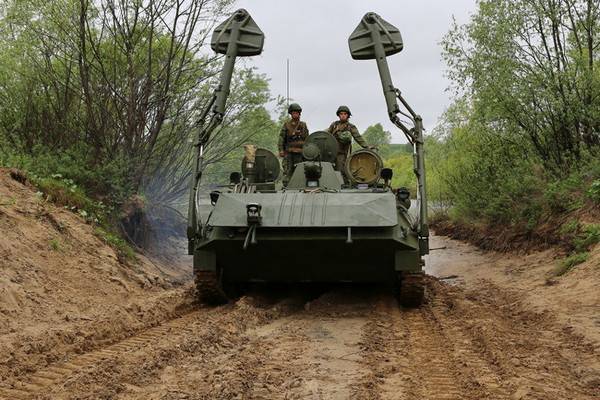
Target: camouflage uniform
336, 128
291, 139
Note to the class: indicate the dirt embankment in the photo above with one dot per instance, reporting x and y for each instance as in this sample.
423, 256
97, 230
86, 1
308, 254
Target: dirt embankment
63, 290
518, 237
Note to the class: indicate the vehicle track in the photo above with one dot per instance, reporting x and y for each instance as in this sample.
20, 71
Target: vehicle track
524, 354
311, 353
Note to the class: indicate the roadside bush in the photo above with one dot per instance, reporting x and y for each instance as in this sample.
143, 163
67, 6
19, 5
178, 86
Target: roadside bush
124, 250
104, 181
594, 191
568, 263
588, 237
564, 195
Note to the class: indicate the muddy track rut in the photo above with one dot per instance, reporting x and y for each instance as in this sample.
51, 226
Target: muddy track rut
346, 343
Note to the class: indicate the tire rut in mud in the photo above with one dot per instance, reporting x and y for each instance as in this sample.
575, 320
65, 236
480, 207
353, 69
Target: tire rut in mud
512, 351
406, 355
464, 345
352, 343
311, 353
106, 372
43, 380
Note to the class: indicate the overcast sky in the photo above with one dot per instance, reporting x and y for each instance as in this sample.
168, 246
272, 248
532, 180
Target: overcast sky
313, 35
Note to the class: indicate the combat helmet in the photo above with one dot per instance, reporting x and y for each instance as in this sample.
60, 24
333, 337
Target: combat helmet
294, 107
343, 109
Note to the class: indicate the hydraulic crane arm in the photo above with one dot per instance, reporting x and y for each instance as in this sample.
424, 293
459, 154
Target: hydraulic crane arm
375, 38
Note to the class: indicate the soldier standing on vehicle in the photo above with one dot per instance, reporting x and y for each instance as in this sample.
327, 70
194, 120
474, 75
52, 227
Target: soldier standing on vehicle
344, 131
291, 139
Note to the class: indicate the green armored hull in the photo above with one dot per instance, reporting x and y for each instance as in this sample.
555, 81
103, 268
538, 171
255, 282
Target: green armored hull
353, 235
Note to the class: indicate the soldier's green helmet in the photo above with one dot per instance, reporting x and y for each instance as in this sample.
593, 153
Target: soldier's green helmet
343, 109
345, 137
294, 107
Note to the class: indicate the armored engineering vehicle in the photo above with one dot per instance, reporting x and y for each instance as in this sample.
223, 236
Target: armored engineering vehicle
317, 228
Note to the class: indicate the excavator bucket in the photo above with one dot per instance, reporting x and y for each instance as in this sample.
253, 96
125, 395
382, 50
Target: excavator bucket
371, 30
249, 41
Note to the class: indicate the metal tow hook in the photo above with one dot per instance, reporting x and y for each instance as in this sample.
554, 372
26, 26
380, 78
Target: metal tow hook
254, 219
349, 236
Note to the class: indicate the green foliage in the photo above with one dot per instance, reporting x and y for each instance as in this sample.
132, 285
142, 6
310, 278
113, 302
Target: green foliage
569, 228
563, 194
589, 236
402, 165
582, 238
527, 73
55, 244
106, 179
396, 149
485, 175
568, 263
124, 250
374, 135
594, 191
64, 192
494, 178
115, 110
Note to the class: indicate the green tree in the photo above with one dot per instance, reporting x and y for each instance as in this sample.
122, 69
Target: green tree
529, 69
375, 135
112, 91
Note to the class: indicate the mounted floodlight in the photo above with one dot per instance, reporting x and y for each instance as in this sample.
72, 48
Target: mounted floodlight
238, 34
374, 34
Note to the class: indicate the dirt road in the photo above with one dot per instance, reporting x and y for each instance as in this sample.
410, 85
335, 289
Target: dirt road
478, 337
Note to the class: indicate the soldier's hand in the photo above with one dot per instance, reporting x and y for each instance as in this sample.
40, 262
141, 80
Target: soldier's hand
282, 153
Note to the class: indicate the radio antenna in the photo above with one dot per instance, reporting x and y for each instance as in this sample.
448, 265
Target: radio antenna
287, 78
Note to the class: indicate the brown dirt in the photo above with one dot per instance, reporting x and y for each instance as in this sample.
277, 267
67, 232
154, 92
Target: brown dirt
495, 326
498, 238
64, 291
349, 343
518, 237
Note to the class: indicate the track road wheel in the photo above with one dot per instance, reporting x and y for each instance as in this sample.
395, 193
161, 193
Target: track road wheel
412, 289
209, 289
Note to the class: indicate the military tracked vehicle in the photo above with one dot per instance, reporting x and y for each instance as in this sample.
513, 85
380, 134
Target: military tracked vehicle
317, 228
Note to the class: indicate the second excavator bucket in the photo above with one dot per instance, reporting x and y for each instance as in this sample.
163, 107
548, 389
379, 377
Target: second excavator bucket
373, 28
249, 41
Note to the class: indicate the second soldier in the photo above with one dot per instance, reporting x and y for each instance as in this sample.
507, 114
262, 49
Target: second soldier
291, 139
344, 131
